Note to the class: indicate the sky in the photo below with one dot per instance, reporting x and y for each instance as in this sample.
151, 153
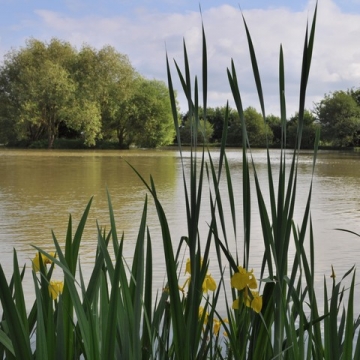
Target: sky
147, 30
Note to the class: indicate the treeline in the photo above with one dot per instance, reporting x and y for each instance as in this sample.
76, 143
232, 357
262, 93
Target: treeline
337, 116
51, 90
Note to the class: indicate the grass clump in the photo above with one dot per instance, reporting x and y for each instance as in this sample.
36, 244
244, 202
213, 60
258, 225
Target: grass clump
269, 313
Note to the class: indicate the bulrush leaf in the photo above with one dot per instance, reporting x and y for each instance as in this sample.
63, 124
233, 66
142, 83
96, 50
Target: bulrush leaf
349, 330
19, 293
41, 337
17, 333
108, 343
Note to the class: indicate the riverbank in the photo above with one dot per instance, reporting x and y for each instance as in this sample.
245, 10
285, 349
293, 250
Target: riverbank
77, 144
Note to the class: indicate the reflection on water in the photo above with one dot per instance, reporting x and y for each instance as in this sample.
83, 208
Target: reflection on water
39, 189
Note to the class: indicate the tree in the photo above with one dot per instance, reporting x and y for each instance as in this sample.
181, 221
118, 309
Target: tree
92, 94
355, 94
274, 123
107, 78
339, 116
142, 118
216, 118
310, 127
38, 93
205, 131
257, 130
150, 117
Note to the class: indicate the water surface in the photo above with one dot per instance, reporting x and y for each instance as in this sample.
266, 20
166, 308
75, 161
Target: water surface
40, 189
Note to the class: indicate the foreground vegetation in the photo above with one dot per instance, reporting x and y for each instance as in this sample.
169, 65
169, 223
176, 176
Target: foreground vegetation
269, 313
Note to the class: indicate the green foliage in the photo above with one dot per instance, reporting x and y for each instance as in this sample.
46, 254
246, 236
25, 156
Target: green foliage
149, 114
37, 90
203, 135
93, 94
107, 79
355, 94
339, 116
257, 130
216, 118
310, 127
274, 123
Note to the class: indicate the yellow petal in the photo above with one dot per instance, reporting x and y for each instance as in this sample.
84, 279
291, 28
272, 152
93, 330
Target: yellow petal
217, 325
235, 304
55, 289
36, 263
252, 281
256, 303
44, 258
209, 284
239, 280
247, 300
201, 312
188, 267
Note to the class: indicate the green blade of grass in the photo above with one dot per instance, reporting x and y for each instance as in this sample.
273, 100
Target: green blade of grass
17, 332
147, 314
349, 331
255, 68
137, 283
7, 343
41, 334
73, 302
19, 293
60, 332
108, 344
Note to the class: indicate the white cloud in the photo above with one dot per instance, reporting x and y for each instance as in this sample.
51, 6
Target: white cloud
335, 64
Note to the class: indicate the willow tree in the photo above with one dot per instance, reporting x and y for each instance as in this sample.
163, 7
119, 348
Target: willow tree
150, 116
37, 91
95, 93
44, 85
107, 78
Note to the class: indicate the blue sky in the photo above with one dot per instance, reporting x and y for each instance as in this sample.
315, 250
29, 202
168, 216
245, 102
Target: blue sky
142, 29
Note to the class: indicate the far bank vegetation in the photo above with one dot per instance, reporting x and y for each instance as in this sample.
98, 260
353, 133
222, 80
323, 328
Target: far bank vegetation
53, 95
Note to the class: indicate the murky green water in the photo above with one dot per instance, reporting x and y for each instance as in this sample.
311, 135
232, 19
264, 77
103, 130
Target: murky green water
39, 189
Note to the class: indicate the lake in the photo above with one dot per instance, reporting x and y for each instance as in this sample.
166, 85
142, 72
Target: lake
40, 188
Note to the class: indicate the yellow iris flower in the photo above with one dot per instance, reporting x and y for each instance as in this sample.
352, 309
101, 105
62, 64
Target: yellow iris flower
55, 289
217, 325
201, 312
208, 284
254, 303
188, 266
45, 260
243, 278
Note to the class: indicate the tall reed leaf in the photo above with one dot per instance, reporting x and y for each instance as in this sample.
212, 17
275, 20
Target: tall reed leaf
17, 332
